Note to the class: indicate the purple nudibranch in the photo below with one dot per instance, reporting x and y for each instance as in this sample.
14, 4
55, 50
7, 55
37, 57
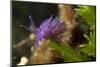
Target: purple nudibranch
51, 27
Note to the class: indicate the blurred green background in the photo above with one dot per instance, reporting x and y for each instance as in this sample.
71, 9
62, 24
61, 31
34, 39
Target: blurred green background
40, 11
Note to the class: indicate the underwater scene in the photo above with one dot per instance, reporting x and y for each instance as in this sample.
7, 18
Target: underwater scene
52, 33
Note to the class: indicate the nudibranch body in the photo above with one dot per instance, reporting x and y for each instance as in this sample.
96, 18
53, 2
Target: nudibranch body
51, 27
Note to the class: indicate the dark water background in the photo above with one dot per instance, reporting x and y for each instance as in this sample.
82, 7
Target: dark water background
20, 13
